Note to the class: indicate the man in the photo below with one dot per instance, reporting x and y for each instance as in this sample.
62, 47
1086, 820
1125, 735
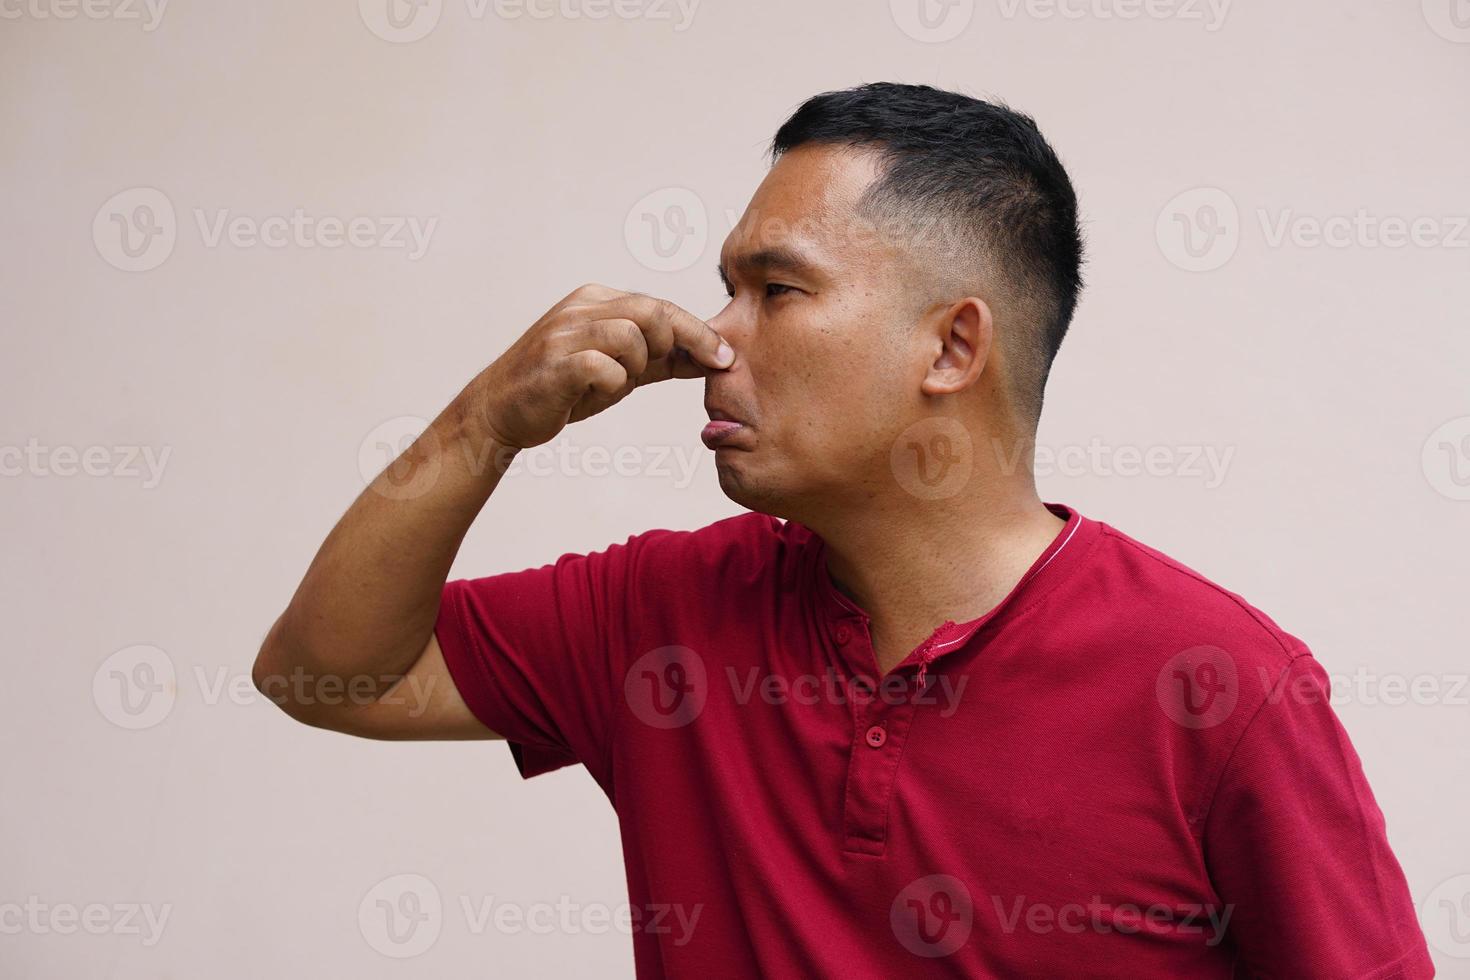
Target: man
902, 719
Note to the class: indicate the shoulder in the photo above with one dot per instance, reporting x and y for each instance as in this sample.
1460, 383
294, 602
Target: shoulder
1192, 661
1175, 602
743, 548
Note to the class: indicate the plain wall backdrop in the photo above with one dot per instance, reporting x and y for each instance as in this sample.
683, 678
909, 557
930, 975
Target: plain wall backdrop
204, 357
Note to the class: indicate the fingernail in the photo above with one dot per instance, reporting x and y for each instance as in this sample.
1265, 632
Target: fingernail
725, 355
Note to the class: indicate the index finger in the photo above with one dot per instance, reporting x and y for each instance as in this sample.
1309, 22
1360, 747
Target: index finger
689, 331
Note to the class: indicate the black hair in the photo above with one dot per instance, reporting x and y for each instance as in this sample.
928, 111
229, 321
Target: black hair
981, 169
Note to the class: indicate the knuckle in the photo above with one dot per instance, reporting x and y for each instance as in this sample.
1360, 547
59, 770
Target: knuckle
575, 363
660, 342
628, 333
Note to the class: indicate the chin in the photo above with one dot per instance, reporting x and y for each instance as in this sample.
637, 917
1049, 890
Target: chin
740, 484
751, 490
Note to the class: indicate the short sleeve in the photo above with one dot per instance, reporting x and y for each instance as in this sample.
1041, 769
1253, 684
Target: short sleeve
1297, 851
534, 653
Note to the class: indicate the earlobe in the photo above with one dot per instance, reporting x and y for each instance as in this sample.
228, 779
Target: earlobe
964, 332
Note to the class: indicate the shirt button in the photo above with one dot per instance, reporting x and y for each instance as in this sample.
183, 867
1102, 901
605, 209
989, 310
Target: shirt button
876, 736
842, 634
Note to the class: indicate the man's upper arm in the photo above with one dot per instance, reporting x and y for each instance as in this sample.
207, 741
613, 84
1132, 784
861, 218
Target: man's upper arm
538, 655
1297, 850
423, 704
523, 656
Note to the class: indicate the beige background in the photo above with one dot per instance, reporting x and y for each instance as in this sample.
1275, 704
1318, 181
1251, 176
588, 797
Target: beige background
272, 376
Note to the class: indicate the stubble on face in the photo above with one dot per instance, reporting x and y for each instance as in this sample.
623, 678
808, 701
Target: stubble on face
828, 371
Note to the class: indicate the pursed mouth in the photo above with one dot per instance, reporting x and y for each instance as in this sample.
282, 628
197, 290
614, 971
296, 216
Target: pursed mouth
721, 430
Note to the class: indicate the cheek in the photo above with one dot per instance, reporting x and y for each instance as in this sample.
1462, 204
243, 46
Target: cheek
831, 398
825, 380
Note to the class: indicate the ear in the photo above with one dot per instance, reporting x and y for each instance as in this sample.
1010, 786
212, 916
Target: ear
965, 332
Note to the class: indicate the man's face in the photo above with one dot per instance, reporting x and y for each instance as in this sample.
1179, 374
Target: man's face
828, 363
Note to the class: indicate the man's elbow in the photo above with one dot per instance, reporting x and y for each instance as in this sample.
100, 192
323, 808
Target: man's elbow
275, 666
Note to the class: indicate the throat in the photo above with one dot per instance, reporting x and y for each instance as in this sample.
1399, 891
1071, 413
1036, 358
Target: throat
893, 648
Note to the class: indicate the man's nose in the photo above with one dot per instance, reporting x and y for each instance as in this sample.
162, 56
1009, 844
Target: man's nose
731, 324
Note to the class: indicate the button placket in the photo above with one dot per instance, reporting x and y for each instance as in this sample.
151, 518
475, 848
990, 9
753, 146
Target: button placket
880, 730
877, 748
879, 727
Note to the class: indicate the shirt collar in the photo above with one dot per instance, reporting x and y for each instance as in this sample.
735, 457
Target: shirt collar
1066, 550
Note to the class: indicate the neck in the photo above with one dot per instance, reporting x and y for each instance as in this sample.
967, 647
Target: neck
911, 564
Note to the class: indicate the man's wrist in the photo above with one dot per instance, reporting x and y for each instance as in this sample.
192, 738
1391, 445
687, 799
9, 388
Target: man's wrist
468, 431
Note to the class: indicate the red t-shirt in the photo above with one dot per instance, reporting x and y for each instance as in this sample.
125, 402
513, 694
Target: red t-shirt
1122, 770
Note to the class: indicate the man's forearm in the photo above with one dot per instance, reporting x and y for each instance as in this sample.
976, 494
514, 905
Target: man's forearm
367, 604
364, 614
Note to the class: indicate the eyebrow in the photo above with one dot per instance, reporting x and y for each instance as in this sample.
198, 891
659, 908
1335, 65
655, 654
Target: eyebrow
774, 257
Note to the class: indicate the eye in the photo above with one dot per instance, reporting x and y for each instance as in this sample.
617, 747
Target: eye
774, 289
